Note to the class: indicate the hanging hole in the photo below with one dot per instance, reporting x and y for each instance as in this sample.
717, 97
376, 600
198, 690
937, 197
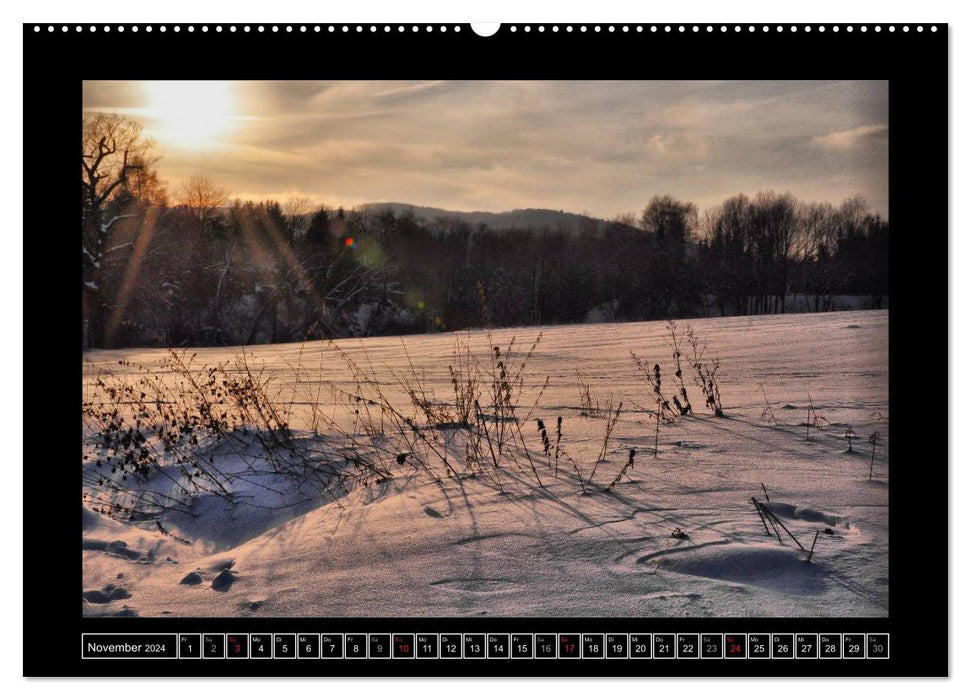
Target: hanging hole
485, 28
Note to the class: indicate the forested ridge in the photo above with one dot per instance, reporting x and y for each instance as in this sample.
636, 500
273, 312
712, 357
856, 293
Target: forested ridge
191, 267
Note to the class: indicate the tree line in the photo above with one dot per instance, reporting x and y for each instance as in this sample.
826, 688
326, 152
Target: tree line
192, 268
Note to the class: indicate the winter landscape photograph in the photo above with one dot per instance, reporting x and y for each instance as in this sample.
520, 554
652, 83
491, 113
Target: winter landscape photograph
485, 348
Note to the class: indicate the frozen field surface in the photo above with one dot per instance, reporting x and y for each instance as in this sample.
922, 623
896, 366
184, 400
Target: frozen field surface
678, 535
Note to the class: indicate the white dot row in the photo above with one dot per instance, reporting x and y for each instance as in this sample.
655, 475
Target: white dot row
244, 28
726, 28
695, 28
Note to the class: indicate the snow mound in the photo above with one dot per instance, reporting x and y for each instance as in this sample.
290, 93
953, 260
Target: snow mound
767, 565
789, 511
91, 520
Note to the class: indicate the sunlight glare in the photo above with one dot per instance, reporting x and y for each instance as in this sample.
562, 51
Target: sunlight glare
191, 114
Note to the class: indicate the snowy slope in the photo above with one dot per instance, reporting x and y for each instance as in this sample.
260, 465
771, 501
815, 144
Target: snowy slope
410, 547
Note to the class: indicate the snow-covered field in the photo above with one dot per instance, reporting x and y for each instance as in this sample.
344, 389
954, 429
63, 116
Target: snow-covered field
408, 546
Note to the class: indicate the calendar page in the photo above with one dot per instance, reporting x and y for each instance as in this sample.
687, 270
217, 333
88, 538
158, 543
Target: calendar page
434, 349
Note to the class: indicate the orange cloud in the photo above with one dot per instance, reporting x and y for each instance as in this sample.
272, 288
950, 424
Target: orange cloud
848, 139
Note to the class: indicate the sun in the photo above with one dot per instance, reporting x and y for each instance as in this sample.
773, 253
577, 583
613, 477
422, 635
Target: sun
191, 114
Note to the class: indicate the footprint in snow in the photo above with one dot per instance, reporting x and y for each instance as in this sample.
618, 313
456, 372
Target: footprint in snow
107, 594
118, 548
193, 579
481, 586
224, 581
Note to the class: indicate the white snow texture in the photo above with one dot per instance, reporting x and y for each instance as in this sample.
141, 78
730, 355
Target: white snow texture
677, 536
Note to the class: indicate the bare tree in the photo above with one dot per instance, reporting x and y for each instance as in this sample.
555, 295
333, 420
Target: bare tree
778, 213
113, 155
299, 211
820, 224
116, 167
628, 219
145, 185
203, 196
672, 225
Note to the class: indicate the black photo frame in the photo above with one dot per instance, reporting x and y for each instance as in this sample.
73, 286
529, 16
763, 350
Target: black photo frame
913, 58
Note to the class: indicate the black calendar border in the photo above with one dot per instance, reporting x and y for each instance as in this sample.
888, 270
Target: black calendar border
916, 65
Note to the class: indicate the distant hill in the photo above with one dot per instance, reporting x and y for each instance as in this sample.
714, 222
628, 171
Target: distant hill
517, 218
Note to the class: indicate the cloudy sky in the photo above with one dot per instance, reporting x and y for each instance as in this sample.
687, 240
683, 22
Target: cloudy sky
600, 147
